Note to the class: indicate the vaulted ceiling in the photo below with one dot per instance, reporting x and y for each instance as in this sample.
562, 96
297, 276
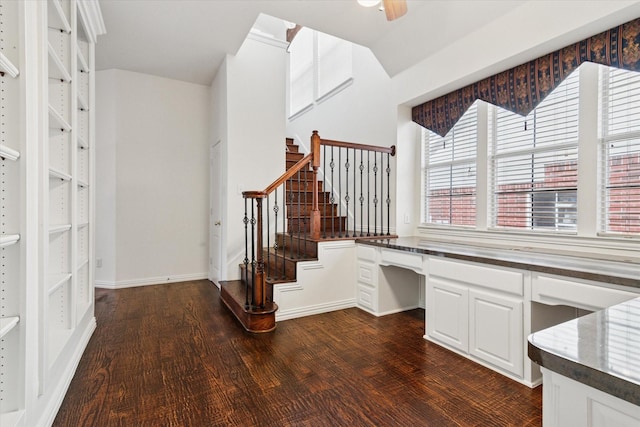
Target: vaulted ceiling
188, 39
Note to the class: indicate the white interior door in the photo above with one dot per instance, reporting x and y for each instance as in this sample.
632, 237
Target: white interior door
215, 214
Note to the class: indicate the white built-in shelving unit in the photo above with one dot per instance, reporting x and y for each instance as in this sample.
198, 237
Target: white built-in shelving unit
12, 333
46, 194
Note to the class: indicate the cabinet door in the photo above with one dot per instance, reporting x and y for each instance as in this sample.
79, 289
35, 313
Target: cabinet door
447, 313
495, 330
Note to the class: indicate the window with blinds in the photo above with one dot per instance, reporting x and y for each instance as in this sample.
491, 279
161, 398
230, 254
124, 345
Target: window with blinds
534, 163
449, 173
619, 135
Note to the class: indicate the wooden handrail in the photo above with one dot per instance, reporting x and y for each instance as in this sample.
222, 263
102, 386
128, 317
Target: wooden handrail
278, 182
389, 150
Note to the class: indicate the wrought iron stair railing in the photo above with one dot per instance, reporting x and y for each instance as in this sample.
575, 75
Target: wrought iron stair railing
339, 190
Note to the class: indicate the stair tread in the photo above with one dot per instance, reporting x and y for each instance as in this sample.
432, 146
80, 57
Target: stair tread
236, 289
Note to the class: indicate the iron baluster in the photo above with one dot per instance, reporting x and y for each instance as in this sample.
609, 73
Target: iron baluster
375, 194
333, 198
285, 195
267, 265
339, 192
246, 256
388, 195
323, 219
368, 193
305, 213
253, 255
300, 220
361, 192
346, 196
276, 208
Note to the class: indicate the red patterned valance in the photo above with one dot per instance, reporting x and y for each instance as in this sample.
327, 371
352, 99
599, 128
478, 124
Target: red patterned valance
522, 88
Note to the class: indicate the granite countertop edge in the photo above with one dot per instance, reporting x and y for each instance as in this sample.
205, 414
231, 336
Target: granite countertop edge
506, 258
592, 377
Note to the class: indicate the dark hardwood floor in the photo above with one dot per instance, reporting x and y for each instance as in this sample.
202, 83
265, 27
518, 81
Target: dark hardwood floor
172, 355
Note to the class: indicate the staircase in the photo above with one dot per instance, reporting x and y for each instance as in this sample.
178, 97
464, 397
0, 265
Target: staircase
284, 223
288, 249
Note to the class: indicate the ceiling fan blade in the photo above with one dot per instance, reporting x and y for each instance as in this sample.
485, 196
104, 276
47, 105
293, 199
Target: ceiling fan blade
394, 9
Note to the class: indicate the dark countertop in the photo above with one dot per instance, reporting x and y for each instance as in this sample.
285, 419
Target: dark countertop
601, 350
598, 267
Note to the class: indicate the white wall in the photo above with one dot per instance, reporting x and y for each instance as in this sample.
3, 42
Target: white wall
106, 137
363, 112
158, 129
250, 119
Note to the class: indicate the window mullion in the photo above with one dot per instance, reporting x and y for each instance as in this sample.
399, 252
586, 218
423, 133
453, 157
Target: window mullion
587, 195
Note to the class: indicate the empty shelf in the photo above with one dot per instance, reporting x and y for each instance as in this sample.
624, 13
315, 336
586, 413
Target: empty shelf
57, 70
7, 324
9, 239
8, 153
56, 174
82, 225
82, 184
56, 121
6, 66
59, 228
57, 280
57, 18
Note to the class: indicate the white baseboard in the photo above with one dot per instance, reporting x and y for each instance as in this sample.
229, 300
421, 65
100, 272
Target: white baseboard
314, 309
150, 281
57, 396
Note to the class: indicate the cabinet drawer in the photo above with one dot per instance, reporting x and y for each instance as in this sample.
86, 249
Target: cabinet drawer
402, 259
367, 298
480, 275
366, 253
366, 273
554, 290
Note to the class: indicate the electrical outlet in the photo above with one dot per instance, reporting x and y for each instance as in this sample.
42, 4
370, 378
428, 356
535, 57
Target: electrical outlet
98, 262
407, 219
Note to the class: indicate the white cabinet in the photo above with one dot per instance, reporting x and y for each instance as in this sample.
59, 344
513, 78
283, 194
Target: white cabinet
477, 310
448, 313
568, 403
496, 330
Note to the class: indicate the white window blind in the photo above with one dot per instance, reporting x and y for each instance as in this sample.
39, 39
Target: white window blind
620, 150
449, 173
301, 71
534, 163
335, 67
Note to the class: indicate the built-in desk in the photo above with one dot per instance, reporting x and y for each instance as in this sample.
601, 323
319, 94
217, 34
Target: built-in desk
483, 302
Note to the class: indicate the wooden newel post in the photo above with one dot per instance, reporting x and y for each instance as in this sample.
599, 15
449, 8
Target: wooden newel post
314, 219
